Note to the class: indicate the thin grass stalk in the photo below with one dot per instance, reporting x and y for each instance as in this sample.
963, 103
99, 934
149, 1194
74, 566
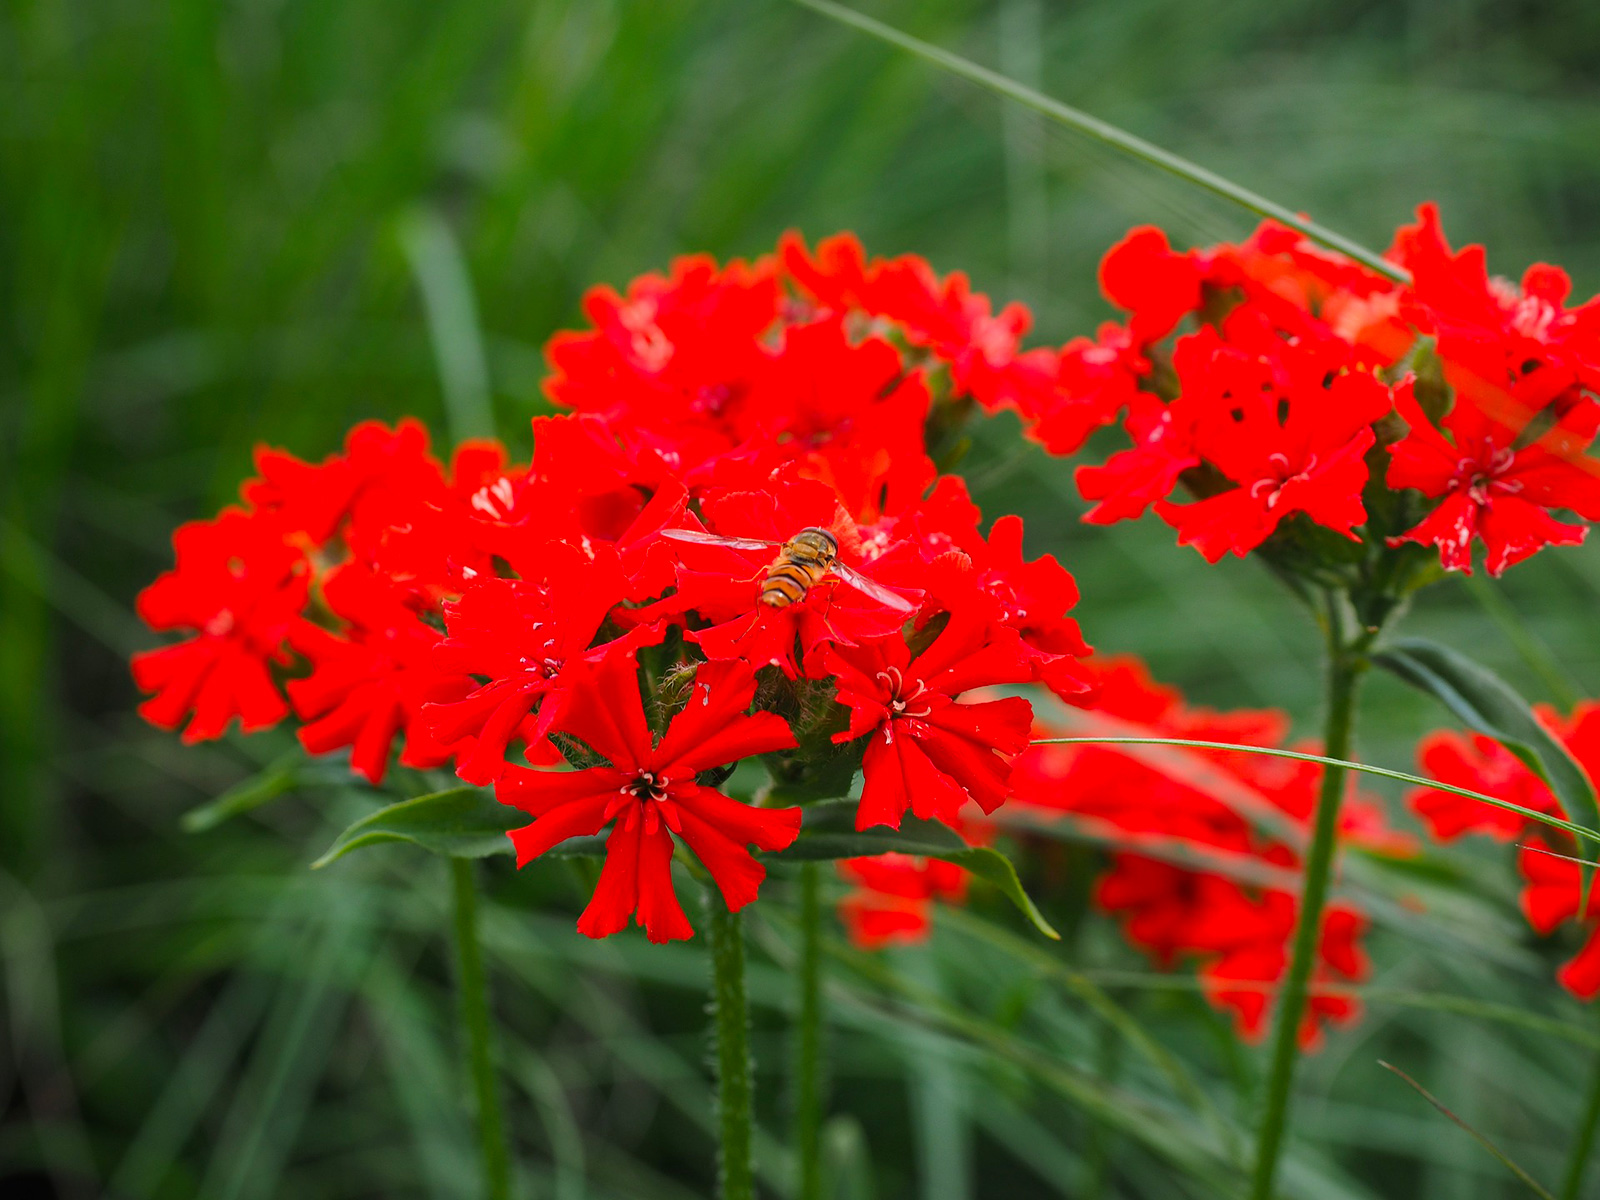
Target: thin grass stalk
1583, 1141
730, 1022
808, 1039
477, 1030
1346, 664
1109, 134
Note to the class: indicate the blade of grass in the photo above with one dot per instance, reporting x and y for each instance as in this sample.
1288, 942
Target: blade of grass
291, 1057
441, 272
1104, 131
1365, 768
1510, 1165
1117, 1017
939, 1096
1583, 1141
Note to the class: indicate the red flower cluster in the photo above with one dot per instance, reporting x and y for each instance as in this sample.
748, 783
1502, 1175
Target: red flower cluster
1219, 826
1552, 891
891, 902
1272, 407
741, 509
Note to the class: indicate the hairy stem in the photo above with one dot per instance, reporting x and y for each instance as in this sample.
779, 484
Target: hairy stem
1346, 663
476, 1028
808, 1039
731, 1026
1582, 1141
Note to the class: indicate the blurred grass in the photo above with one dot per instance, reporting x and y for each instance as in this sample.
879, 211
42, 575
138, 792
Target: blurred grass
209, 237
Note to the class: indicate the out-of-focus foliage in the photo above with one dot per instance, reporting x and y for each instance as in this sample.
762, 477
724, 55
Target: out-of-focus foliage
219, 222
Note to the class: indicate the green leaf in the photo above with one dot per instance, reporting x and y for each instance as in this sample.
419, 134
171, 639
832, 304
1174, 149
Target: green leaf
1484, 702
241, 798
464, 822
829, 832
989, 864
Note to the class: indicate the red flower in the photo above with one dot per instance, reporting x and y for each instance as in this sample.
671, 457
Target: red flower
892, 902
1290, 431
1092, 382
1259, 954
1479, 764
677, 349
649, 791
368, 688
928, 753
1496, 485
1552, 892
723, 584
1551, 898
1144, 276
521, 634
380, 471
849, 413
1502, 344
1130, 481
241, 588
964, 570
943, 316
1217, 808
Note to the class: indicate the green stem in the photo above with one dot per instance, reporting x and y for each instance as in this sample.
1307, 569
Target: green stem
1583, 1141
1345, 666
477, 1028
731, 1024
808, 1039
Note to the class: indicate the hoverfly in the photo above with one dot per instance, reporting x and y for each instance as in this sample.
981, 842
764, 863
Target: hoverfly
802, 563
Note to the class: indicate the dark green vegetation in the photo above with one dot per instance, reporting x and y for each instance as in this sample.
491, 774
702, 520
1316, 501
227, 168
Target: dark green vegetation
228, 222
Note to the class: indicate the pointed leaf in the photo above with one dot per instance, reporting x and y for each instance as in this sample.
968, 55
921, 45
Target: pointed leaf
464, 822
829, 831
989, 864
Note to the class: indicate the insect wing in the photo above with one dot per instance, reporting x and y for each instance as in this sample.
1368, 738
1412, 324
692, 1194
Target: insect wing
701, 537
872, 588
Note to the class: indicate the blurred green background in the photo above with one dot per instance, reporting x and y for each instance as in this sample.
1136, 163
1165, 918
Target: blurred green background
229, 222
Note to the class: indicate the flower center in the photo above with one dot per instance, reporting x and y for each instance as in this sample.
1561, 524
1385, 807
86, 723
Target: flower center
647, 785
495, 500
900, 700
1481, 476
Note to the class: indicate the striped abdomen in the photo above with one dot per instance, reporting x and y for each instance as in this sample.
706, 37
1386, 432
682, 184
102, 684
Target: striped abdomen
800, 566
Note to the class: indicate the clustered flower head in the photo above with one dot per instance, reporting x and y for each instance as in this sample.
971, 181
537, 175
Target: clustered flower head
1282, 397
1221, 828
1547, 858
733, 543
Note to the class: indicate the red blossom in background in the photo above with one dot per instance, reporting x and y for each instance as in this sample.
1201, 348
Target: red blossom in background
648, 793
1227, 809
1552, 880
891, 901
